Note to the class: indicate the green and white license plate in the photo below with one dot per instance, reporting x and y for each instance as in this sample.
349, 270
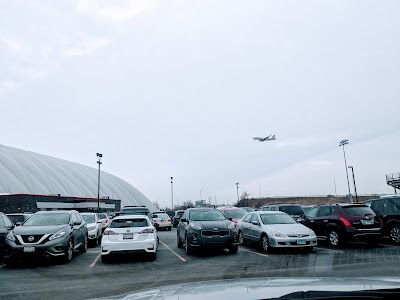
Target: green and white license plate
301, 242
366, 222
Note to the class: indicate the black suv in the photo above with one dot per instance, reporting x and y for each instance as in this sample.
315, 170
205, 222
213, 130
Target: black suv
47, 234
5, 227
388, 210
293, 210
339, 223
206, 228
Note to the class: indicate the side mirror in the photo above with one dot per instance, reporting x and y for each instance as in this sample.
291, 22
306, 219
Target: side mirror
230, 219
255, 223
18, 223
183, 220
77, 223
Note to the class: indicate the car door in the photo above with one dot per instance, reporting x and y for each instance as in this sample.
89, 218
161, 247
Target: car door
76, 231
82, 227
322, 220
182, 225
255, 227
309, 218
246, 226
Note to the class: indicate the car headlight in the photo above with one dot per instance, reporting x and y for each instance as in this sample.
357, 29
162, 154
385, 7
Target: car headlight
232, 226
312, 233
278, 234
91, 228
10, 237
57, 235
195, 226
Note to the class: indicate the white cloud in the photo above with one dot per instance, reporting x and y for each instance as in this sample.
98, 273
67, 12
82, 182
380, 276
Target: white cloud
119, 12
8, 84
87, 47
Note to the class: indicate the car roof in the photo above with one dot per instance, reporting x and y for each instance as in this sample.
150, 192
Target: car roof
131, 217
202, 208
88, 213
268, 212
232, 208
43, 212
19, 214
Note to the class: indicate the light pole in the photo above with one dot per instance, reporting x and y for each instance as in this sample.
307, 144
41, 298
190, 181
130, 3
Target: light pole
260, 188
342, 143
172, 192
237, 190
354, 182
99, 155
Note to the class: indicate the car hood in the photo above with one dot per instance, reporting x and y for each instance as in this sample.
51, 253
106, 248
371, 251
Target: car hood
289, 228
223, 224
259, 288
24, 230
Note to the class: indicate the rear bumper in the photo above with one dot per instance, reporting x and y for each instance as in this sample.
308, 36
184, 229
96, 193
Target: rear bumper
363, 235
148, 246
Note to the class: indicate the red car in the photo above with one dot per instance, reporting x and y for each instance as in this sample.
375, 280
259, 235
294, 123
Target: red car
233, 213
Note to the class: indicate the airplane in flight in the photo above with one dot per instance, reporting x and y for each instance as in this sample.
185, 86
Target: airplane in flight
263, 139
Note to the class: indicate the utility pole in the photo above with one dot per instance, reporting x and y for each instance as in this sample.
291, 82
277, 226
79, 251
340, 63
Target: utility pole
237, 190
99, 155
172, 193
354, 183
342, 144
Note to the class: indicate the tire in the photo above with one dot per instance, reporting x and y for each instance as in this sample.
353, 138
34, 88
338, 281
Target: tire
233, 249
84, 247
95, 242
334, 238
169, 228
179, 243
105, 258
153, 256
241, 238
188, 249
69, 251
265, 243
394, 233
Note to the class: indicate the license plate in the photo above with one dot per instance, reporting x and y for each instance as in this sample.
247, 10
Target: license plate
366, 222
128, 236
29, 249
301, 242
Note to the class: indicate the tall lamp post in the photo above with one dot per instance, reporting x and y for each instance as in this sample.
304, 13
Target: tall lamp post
342, 143
237, 190
260, 188
99, 156
354, 182
172, 192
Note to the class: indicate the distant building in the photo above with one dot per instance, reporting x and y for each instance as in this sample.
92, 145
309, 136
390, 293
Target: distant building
28, 177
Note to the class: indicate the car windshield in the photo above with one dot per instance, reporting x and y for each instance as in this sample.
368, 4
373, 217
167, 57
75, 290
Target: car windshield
268, 219
358, 210
124, 223
206, 215
292, 210
179, 213
235, 213
47, 219
89, 218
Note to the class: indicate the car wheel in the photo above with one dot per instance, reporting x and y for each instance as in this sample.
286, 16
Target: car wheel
96, 241
105, 258
188, 249
233, 249
84, 246
265, 243
153, 256
241, 238
169, 228
334, 238
69, 251
394, 233
179, 243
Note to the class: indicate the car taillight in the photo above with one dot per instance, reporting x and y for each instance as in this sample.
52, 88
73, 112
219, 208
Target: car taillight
146, 231
169, 220
345, 222
106, 221
155, 220
110, 232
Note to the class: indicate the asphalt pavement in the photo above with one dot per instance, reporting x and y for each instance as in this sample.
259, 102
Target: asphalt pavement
88, 277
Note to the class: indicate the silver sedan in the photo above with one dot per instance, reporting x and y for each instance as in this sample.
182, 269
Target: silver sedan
274, 229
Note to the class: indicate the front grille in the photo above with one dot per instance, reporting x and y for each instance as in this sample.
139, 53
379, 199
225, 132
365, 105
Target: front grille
36, 238
215, 232
297, 235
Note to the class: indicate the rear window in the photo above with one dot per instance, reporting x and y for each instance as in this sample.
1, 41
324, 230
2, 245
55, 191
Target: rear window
165, 216
16, 218
292, 210
124, 223
179, 213
358, 210
102, 216
235, 213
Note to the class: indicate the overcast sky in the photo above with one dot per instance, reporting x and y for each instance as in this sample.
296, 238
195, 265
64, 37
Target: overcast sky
180, 88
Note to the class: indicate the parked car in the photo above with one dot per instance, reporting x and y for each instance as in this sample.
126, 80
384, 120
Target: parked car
161, 220
307, 207
293, 210
94, 227
233, 213
340, 223
134, 210
275, 229
5, 227
18, 218
248, 209
170, 213
177, 217
388, 210
104, 220
129, 234
47, 234
206, 228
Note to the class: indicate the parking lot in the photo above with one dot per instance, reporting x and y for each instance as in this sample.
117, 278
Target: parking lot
88, 277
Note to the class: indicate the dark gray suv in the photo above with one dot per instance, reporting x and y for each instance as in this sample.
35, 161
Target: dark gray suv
206, 228
47, 234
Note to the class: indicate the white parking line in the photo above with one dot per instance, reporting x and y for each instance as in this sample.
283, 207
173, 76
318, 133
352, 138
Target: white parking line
95, 260
176, 254
330, 250
265, 255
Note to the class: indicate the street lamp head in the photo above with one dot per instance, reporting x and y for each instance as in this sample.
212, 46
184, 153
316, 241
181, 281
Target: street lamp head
99, 155
237, 183
350, 167
343, 142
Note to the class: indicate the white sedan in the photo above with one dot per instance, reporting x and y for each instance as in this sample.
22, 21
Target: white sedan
129, 234
273, 229
93, 224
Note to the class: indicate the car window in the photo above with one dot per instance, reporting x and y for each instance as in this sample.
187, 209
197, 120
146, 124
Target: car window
247, 218
179, 213
89, 218
377, 206
311, 213
206, 215
393, 206
235, 213
2, 224
292, 210
47, 220
358, 210
324, 211
16, 218
254, 218
7, 221
102, 216
277, 219
124, 223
